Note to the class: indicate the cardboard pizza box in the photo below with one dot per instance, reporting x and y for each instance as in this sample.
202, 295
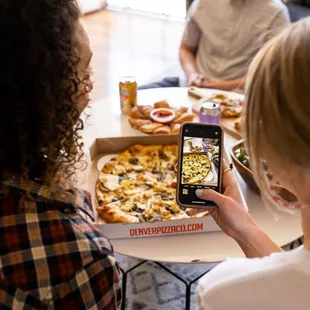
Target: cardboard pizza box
107, 146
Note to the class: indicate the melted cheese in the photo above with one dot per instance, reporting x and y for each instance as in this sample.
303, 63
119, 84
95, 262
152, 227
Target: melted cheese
127, 206
110, 181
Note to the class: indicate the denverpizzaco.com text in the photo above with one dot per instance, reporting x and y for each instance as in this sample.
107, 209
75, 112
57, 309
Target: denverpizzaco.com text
166, 230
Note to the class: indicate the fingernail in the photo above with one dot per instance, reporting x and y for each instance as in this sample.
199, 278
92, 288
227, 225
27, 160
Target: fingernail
199, 192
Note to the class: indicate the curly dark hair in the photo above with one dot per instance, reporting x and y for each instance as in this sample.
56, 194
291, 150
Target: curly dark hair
39, 119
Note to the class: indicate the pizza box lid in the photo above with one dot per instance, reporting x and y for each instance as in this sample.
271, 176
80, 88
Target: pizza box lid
114, 145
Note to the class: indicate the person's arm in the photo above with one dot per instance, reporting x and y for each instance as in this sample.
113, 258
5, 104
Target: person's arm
256, 243
189, 45
187, 56
235, 221
225, 85
88, 274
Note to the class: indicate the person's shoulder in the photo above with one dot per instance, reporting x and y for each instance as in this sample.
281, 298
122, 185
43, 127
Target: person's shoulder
272, 278
194, 7
234, 269
277, 6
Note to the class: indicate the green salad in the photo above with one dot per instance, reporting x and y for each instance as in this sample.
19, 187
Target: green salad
243, 157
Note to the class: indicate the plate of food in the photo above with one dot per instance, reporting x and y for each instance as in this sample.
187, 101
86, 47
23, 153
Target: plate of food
135, 185
160, 119
231, 105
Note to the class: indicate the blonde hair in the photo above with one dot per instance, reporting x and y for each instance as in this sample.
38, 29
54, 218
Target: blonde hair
277, 114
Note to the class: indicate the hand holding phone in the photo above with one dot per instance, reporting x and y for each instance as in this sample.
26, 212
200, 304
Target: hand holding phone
230, 215
200, 163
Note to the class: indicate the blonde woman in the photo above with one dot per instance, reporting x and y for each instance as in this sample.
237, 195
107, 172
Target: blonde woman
277, 131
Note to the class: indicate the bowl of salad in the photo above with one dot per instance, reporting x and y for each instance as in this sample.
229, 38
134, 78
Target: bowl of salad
241, 161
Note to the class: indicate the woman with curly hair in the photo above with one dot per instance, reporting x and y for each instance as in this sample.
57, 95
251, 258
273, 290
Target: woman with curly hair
50, 256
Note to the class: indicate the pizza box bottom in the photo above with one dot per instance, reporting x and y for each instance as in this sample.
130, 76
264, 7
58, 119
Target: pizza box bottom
106, 146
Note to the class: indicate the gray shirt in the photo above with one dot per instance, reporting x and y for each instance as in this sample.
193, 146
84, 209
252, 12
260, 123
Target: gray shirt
227, 36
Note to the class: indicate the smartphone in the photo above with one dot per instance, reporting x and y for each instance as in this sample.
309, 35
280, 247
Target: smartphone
200, 163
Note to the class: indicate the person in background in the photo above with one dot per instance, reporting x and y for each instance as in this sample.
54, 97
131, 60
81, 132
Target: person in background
51, 257
221, 38
277, 131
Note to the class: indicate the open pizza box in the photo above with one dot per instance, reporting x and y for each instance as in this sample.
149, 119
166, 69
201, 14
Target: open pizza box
103, 149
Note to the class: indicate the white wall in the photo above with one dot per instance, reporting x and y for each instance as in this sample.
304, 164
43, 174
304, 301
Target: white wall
91, 5
168, 7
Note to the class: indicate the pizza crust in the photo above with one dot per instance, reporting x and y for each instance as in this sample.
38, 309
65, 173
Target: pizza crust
115, 216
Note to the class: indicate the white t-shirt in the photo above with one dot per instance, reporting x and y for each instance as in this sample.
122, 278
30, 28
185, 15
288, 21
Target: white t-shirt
227, 36
280, 281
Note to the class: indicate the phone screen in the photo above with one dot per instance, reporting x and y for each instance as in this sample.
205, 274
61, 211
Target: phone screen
200, 162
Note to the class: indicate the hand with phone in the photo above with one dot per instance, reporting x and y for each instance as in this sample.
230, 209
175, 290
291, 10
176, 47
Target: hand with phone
200, 164
220, 195
230, 214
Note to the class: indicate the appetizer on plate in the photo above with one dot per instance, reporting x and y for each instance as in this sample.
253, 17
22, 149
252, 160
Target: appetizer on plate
230, 108
159, 119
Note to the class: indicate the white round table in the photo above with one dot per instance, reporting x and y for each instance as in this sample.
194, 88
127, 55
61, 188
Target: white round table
106, 120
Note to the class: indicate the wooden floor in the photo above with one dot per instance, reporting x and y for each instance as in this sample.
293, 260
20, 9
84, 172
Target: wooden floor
126, 44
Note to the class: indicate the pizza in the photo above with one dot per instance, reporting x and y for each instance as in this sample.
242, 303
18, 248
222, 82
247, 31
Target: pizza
135, 186
229, 108
195, 168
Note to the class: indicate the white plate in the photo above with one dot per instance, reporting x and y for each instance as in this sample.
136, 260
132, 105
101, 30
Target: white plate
104, 160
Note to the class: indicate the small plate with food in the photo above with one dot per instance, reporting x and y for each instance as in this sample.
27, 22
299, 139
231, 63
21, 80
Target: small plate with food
160, 119
231, 106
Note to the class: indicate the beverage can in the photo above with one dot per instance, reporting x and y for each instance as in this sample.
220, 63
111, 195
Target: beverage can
128, 94
210, 112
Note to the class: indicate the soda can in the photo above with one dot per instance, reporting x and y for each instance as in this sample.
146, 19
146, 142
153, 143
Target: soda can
128, 94
210, 112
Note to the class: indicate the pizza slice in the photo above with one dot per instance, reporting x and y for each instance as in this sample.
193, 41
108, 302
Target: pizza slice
112, 188
229, 108
168, 158
231, 111
129, 162
147, 156
113, 214
112, 167
218, 97
165, 205
122, 164
133, 209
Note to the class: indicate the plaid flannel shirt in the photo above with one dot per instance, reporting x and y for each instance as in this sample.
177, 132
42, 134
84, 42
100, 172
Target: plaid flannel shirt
51, 256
